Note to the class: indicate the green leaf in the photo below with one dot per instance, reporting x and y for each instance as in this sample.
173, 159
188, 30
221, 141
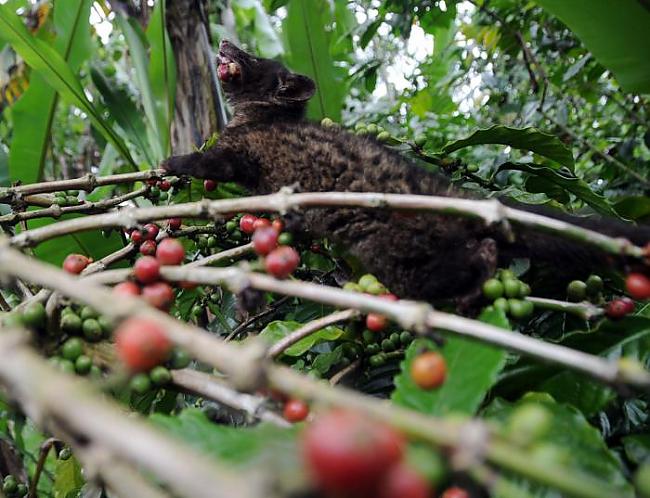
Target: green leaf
34, 112
530, 139
472, 369
67, 478
576, 444
263, 446
124, 111
278, 330
309, 53
53, 68
267, 41
566, 181
616, 33
162, 71
637, 448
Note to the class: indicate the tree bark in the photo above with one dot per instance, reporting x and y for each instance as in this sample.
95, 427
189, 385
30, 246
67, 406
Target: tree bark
199, 109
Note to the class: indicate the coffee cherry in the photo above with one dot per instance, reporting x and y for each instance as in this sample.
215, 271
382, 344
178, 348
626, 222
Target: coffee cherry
277, 225
576, 291
594, 285
150, 231
642, 480
159, 295
179, 359
528, 423
140, 383
83, 364
34, 315
520, 308
295, 410
170, 252
429, 370
71, 323
404, 482
164, 185
9, 485
92, 330
148, 248
618, 308
160, 376
281, 262
420, 140
174, 223
127, 288
72, 349
75, 263
209, 185
265, 239
455, 492
261, 223
367, 280
147, 269
638, 286
141, 344
346, 452
247, 222
88, 312
376, 322
136, 237
493, 289
511, 287
285, 239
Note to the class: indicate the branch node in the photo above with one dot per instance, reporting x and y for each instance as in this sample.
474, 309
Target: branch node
473, 443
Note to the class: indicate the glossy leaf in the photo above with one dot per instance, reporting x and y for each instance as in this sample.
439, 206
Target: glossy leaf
566, 181
34, 112
569, 441
536, 141
67, 478
309, 53
52, 67
278, 330
616, 33
472, 369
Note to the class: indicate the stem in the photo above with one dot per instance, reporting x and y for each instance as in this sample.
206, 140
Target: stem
586, 311
44, 450
490, 211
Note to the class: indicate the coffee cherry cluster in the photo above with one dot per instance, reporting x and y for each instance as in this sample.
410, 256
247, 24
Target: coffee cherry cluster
383, 346
160, 190
11, 487
66, 198
508, 294
349, 455
369, 284
591, 290
86, 322
72, 359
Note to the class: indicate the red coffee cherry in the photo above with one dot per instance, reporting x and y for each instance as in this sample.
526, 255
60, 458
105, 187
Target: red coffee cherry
429, 370
618, 308
638, 286
376, 322
282, 261
295, 410
246, 223
209, 185
404, 482
150, 231
170, 252
174, 223
278, 225
159, 295
127, 288
261, 223
76, 263
455, 492
136, 237
164, 185
148, 248
147, 269
265, 240
141, 344
346, 452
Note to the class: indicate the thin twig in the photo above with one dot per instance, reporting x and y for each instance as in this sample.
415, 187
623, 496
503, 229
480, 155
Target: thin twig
209, 387
489, 211
272, 308
310, 328
586, 311
43, 452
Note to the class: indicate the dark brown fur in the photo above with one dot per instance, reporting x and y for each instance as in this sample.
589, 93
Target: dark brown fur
269, 145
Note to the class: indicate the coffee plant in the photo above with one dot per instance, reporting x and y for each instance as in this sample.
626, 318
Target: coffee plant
166, 336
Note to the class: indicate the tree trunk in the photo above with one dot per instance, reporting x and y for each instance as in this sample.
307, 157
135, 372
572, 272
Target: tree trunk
199, 109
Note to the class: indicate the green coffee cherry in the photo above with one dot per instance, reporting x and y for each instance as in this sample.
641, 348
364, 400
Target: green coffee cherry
66, 366
594, 285
92, 330
72, 349
373, 348
505, 274
179, 359
420, 140
34, 315
83, 364
366, 280
285, 239
105, 324
529, 423
160, 376
65, 453
140, 383
576, 291
9, 485
524, 289
520, 308
405, 338
642, 480
71, 323
360, 126
368, 336
88, 312
472, 168
375, 288
352, 287
22, 490
502, 304
387, 345
231, 226
511, 288
383, 136
327, 123
372, 129
377, 360
493, 289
